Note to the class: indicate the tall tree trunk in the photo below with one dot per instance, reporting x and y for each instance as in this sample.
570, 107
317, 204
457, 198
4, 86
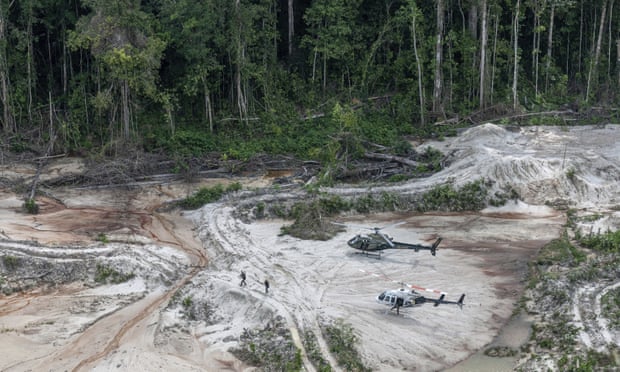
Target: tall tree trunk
618, 59
610, 41
241, 99
494, 58
437, 87
472, 20
324, 71
8, 121
125, 111
536, 44
291, 27
418, 63
592, 73
472, 26
579, 58
208, 108
515, 52
483, 54
30, 61
549, 46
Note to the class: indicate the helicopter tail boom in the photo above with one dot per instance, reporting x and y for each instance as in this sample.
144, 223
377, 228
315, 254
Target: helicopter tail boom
441, 300
417, 247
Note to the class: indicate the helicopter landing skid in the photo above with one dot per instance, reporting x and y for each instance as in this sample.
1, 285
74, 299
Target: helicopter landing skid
368, 254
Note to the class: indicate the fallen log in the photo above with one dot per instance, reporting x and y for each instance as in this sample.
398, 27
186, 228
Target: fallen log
398, 159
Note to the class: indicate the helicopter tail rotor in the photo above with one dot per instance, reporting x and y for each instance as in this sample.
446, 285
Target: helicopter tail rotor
435, 245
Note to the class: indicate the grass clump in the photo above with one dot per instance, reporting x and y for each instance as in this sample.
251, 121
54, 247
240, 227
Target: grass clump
270, 348
206, 195
314, 353
342, 340
30, 206
309, 218
105, 274
611, 307
470, 197
10, 262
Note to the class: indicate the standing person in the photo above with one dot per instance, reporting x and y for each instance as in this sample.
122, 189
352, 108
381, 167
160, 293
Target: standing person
242, 276
397, 305
266, 286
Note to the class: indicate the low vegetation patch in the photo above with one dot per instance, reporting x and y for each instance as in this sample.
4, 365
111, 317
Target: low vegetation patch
611, 307
314, 352
31, 206
206, 195
270, 348
562, 266
106, 274
342, 340
312, 218
470, 197
10, 262
500, 352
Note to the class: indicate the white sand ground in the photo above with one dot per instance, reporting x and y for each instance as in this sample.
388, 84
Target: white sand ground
129, 327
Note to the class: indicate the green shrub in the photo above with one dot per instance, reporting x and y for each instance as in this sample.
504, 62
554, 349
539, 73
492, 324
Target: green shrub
101, 237
10, 262
106, 274
31, 206
206, 195
341, 341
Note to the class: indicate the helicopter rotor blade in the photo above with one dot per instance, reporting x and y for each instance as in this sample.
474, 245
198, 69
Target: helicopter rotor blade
391, 225
412, 286
375, 229
386, 238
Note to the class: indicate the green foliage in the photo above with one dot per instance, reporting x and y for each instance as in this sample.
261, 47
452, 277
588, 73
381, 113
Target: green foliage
270, 348
206, 195
471, 196
606, 242
187, 302
560, 251
502, 197
610, 302
259, 211
185, 142
310, 218
31, 206
106, 274
570, 174
10, 262
218, 76
313, 351
342, 344
101, 237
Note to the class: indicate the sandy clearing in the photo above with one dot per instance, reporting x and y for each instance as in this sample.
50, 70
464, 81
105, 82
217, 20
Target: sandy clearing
140, 326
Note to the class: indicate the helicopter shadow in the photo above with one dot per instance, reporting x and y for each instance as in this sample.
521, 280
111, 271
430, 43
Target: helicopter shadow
405, 317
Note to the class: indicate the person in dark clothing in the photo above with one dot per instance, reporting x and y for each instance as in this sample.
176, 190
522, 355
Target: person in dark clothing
397, 305
266, 286
242, 276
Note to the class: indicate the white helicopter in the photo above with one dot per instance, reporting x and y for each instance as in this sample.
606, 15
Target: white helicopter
408, 295
402, 297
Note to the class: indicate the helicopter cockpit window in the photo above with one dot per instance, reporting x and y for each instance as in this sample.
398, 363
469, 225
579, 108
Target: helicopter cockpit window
392, 299
381, 296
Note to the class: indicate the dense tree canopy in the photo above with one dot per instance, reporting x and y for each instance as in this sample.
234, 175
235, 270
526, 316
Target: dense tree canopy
183, 73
